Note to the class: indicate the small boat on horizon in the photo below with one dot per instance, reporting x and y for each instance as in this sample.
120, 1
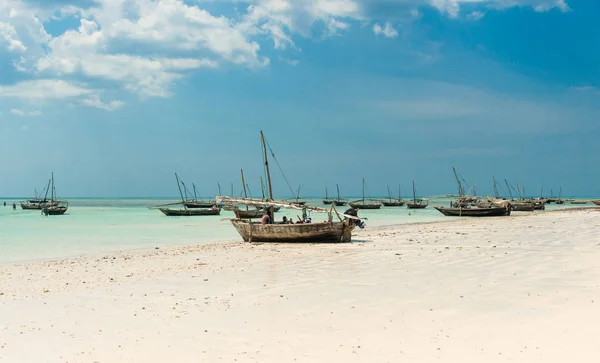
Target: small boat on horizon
363, 203
187, 211
416, 203
393, 202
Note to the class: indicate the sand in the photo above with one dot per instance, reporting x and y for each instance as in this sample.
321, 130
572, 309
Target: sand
509, 289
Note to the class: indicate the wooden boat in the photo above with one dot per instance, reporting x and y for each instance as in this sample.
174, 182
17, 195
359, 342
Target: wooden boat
186, 211
363, 203
38, 202
393, 203
416, 203
200, 204
328, 231
248, 213
519, 206
474, 212
190, 212
579, 202
54, 207
327, 200
596, 202
339, 201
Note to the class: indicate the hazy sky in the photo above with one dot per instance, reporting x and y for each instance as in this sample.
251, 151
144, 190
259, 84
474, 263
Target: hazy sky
114, 96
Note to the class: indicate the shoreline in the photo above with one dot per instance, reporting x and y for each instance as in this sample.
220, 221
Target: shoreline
449, 220
467, 289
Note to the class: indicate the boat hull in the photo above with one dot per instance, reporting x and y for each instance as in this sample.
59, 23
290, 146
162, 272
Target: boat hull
327, 201
474, 212
522, 207
415, 205
200, 204
596, 202
365, 206
55, 211
190, 212
340, 203
253, 213
289, 233
392, 204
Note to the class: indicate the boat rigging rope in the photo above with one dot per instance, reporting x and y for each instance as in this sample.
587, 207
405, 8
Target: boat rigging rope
279, 167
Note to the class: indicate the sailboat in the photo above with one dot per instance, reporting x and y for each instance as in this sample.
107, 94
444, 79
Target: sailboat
393, 203
416, 203
327, 231
54, 207
186, 211
362, 203
37, 202
327, 200
195, 203
248, 213
495, 208
559, 200
339, 201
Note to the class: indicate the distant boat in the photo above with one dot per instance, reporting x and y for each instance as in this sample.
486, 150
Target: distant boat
363, 203
186, 211
596, 202
38, 202
248, 213
190, 212
54, 207
393, 203
196, 203
416, 203
327, 200
579, 202
339, 201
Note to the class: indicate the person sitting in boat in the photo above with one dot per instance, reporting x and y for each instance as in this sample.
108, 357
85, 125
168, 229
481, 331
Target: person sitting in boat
308, 220
351, 221
266, 219
14, 206
284, 220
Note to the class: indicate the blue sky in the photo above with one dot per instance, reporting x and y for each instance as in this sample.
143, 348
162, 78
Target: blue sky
115, 96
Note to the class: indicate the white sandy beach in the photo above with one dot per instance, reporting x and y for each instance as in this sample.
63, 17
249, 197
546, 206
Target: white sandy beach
510, 289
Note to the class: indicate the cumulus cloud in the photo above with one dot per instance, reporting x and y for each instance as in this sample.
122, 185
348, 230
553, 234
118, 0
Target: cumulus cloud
95, 101
387, 30
43, 89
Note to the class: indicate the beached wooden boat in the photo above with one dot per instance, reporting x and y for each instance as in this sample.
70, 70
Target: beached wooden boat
328, 231
393, 202
416, 203
579, 202
596, 202
190, 212
365, 203
474, 212
200, 204
252, 213
518, 206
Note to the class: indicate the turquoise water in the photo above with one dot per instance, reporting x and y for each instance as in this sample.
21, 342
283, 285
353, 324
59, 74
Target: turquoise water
107, 225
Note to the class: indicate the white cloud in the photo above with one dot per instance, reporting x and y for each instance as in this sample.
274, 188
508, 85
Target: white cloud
387, 30
43, 89
24, 113
95, 101
475, 15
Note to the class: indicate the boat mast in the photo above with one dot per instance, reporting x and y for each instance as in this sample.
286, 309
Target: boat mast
519, 190
461, 191
509, 191
244, 184
262, 188
262, 138
414, 194
180, 192
399, 195
326, 196
219, 187
363, 191
495, 188
338, 190
47, 189
195, 197
52, 187
389, 194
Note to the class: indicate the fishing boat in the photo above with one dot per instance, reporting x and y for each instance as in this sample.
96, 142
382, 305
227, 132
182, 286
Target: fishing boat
416, 203
339, 201
522, 206
327, 231
196, 203
475, 212
579, 202
248, 213
364, 203
596, 202
54, 207
493, 207
559, 200
327, 200
186, 211
393, 202
38, 202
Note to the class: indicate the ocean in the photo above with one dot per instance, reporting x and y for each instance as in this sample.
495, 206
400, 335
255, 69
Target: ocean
95, 226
